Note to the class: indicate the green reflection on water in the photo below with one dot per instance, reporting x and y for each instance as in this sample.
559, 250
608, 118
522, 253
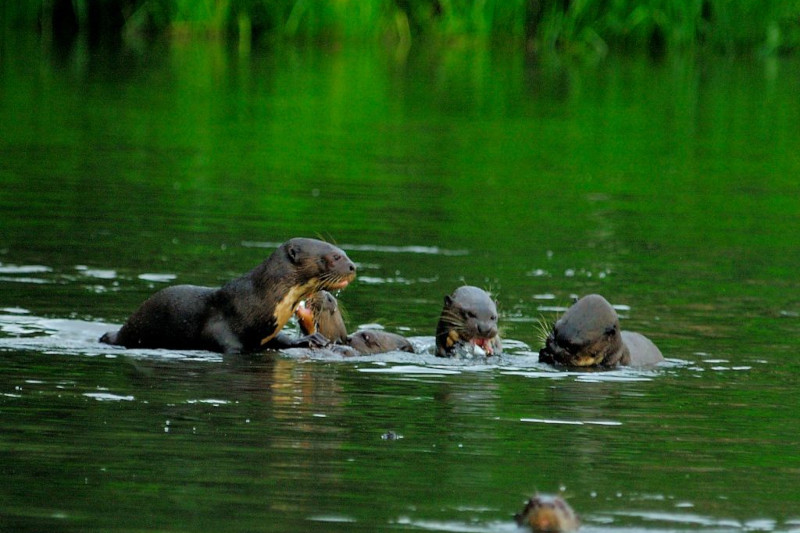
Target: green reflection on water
669, 187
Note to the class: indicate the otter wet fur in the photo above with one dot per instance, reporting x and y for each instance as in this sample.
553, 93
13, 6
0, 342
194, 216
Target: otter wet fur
372, 341
468, 320
588, 335
322, 314
246, 314
548, 514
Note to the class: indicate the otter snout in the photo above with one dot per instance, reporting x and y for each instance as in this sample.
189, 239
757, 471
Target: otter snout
338, 270
487, 330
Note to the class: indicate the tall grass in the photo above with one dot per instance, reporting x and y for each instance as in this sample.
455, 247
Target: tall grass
580, 26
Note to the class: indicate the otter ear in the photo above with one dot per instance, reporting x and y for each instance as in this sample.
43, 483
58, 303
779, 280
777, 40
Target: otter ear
448, 301
292, 250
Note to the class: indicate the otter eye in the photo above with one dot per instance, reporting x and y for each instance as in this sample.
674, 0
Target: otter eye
470, 314
336, 257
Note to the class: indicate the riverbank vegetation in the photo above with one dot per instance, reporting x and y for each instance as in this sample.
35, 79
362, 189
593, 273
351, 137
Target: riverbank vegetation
765, 27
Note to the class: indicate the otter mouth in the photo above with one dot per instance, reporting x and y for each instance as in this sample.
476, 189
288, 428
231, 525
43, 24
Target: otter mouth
337, 286
573, 355
484, 344
336, 282
558, 354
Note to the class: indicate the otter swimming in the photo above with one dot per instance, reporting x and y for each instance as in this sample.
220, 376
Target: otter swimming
245, 314
589, 335
468, 320
548, 514
371, 341
321, 314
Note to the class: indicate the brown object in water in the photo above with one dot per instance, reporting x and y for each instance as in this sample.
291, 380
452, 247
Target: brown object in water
321, 314
588, 335
548, 514
245, 314
468, 319
371, 341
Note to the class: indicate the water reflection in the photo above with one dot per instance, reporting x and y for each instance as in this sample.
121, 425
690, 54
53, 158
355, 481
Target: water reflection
669, 187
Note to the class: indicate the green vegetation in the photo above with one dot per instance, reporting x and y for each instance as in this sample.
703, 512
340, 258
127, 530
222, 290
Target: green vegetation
573, 26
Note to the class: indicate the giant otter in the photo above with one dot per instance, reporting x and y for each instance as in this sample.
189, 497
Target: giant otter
245, 314
468, 320
321, 314
588, 335
548, 514
370, 341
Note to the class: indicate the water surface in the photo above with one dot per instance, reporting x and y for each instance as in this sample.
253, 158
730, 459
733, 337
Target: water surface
670, 187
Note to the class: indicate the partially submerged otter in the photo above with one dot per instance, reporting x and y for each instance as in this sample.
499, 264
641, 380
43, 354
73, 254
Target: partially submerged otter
244, 315
370, 341
589, 335
548, 514
321, 314
468, 320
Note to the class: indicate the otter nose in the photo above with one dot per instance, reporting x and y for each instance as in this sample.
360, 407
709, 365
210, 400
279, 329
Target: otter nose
486, 330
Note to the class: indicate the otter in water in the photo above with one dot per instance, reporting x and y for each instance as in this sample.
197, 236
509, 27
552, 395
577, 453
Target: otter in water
370, 341
588, 335
245, 314
548, 514
321, 314
468, 320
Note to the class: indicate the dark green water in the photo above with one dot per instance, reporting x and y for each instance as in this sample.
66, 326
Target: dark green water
671, 188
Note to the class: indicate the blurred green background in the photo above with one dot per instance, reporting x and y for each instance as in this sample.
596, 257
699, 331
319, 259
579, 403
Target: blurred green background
587, 27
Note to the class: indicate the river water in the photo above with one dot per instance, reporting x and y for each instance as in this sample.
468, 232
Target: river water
670, 187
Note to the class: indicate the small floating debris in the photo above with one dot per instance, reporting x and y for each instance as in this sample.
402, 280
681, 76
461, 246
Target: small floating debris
391, 435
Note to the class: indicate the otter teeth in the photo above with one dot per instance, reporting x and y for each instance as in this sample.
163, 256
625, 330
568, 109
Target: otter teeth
483, 344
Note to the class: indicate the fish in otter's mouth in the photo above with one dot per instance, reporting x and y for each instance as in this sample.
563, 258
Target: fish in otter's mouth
484, 344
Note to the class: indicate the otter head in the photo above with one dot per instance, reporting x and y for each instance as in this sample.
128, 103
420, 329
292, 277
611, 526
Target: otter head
321, 314
318, 264
376, 341
469, 318
296, 270
548, 514
587, 335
